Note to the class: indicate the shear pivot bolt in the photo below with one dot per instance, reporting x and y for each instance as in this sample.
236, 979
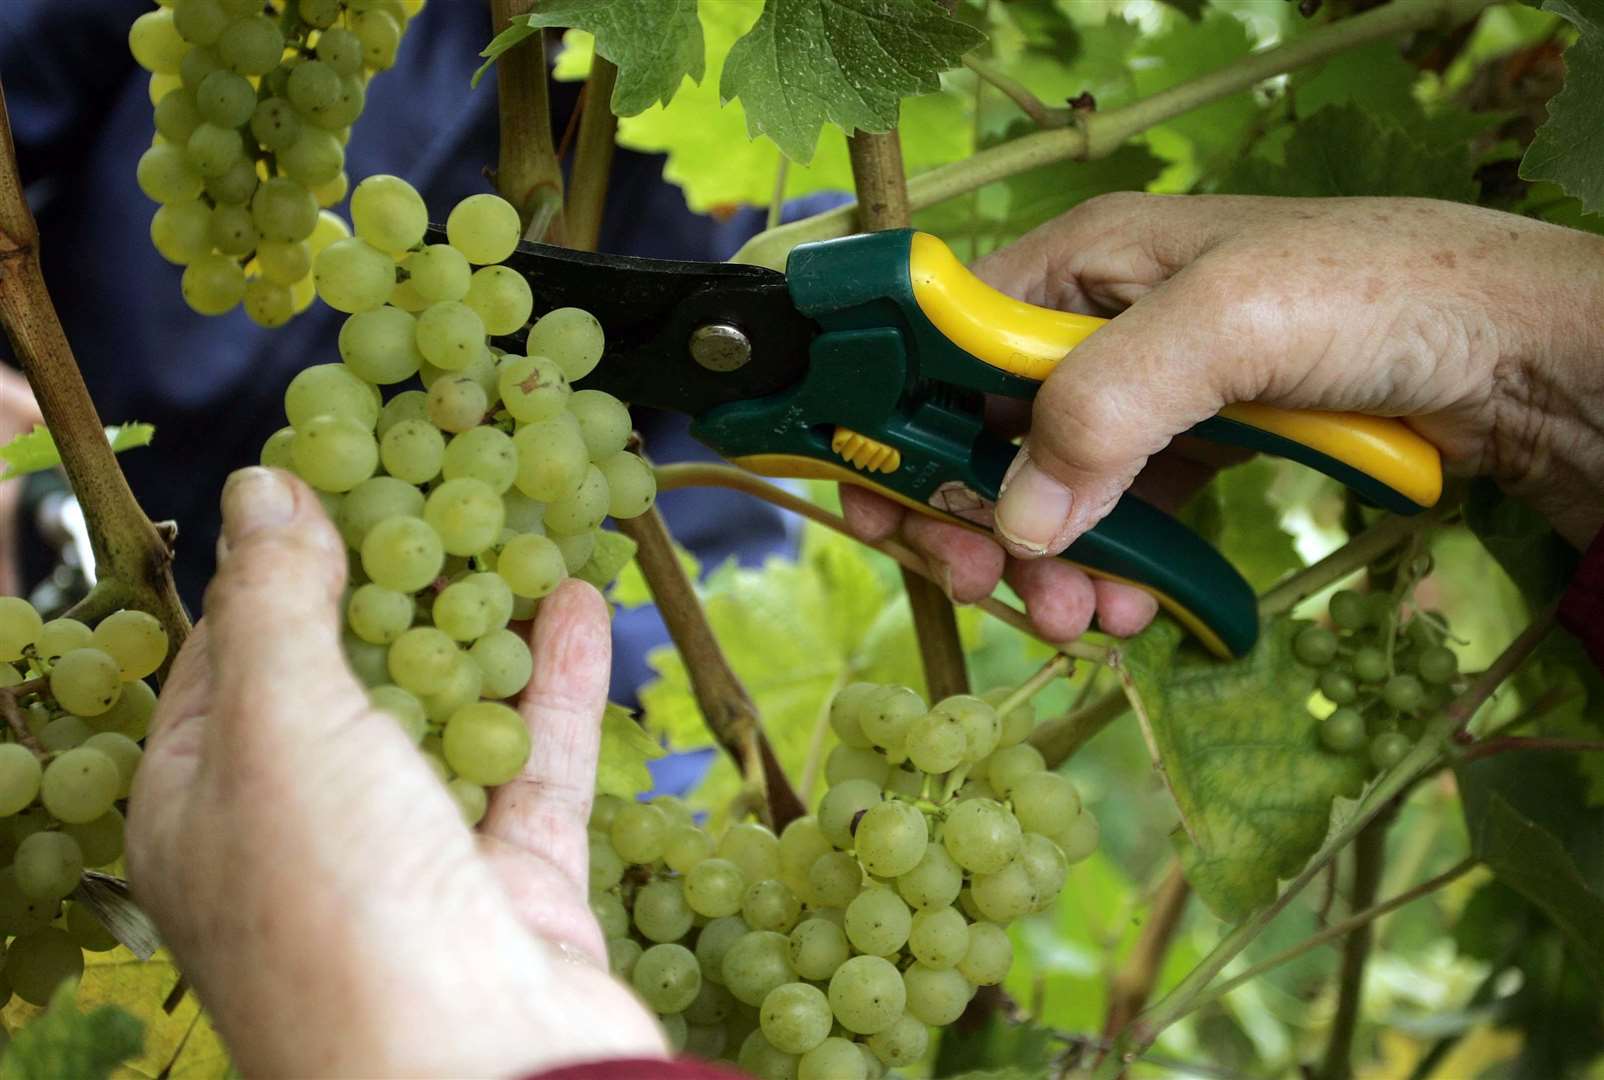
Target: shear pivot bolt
720, 347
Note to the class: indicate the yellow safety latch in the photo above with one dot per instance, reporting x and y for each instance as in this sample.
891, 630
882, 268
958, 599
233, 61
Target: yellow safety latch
865, 453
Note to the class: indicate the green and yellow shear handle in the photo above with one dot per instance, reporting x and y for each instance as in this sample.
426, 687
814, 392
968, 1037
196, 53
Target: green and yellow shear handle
893, 396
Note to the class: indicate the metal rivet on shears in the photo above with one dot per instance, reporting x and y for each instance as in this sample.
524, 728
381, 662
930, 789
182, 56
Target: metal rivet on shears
720, 347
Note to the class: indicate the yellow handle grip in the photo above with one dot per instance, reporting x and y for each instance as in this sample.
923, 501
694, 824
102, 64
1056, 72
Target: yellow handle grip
1030, 341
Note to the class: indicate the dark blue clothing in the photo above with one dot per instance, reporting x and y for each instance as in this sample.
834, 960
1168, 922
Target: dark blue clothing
213, 387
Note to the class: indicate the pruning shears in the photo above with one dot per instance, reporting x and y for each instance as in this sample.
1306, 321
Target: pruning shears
867, 362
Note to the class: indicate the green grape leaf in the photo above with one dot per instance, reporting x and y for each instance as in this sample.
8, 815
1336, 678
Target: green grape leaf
1214, 132
807, 63
1569, 148
35, 451
1521, 541
614, 551
1236, 515
1045, 1071
1528, 820
655, 45
625, 750
64, 1041
710, 156
1240, 751
1343, 150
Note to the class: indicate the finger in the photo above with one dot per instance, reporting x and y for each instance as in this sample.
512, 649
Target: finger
19, 411
870, 516
1123, 610
544, 809
1120, 397
1109, 251
967, 564
282, 683
173, 748
1058, 596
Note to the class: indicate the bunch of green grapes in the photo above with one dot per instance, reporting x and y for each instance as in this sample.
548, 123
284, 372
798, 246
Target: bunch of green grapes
75, 705
471, 495
1382, 676
254, 105
829, 951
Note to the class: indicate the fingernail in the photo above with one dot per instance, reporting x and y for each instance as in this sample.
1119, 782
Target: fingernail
253, 499
1032, 507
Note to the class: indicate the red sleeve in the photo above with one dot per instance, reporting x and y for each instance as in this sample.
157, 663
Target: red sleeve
1581, 609
641, 1069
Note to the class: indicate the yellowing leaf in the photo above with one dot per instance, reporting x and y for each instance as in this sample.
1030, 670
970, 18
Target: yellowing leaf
1243, 759
625, 750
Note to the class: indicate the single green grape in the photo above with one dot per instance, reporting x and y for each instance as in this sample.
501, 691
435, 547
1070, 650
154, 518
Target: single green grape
48, 866
1388, 748
795, 1017
1315, 646
989, 956
86, 682
891, 838
756, 964
1403, 693
639, 832
935, 880
1338, 687
1370, 664
661, 913
1010, 766
1343, 731
939, 937
878, 922
714, 941
1347, 610
714, 887
667, 977
571, 337
841, 806
1438, 666
1043, 801
79, 785
833, 1059
39, 961
817, 947
867, 994
770, 905
487, 743
935, 743
981, 836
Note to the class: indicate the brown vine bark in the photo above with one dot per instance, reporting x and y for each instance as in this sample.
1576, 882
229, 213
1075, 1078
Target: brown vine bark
593, 157
133, 557
1133, 983
1369, 858
882, 189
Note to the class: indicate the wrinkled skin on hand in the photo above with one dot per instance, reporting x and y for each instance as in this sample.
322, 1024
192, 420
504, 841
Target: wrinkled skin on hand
313, 877
1482, 330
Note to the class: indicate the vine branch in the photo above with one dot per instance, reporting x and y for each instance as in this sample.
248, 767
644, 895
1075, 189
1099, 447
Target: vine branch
725, 704
1390, 532
1060, 738
1335, 931
593, 157
130, 552
1134, 982
882, 188
1095, 135
1369, 856
528, 172
1017, 92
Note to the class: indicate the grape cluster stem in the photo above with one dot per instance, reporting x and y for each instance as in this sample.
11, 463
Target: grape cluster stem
133, 558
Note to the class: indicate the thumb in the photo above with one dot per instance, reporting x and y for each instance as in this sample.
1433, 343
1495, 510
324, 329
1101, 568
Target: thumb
273, 610
1116, 400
